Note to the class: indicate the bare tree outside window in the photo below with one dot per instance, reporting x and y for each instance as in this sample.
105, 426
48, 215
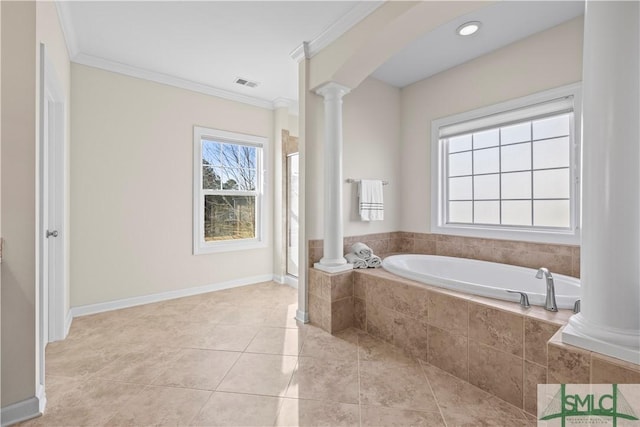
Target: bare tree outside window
229, 183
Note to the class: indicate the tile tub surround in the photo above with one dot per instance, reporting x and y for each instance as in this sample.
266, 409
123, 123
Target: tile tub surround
495, 345
331, 300
561, 259
573, 365
491, 344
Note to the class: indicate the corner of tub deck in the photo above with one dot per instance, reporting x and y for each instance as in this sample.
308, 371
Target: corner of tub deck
331, 305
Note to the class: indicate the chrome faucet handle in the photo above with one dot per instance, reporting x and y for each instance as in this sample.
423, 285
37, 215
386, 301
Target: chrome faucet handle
524, 298
542, 271
550, 300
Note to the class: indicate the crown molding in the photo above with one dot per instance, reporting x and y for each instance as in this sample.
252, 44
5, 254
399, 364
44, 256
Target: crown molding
68, 30
301, 52
166, 79
290, 104
64, 16
307, 50
282, 102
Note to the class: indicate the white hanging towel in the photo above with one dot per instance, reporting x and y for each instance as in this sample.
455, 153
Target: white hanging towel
371, 205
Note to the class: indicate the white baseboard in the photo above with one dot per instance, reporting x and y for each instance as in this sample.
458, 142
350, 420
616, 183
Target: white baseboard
20, 411
84, 310
42, 398
67, 323
291, 281
302, 316
286, 280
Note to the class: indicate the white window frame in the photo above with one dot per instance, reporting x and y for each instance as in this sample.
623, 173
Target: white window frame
531, 234
200, 246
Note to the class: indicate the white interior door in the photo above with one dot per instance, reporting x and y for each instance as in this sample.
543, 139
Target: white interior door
51, 206
44, 215
54, 231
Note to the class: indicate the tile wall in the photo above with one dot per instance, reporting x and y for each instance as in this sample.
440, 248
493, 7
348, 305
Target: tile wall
562, 259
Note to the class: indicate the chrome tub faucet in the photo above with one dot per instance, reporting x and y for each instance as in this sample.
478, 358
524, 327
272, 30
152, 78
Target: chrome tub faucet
550, 302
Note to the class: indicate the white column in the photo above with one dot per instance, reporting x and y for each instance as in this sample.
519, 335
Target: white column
333, 259
609, 322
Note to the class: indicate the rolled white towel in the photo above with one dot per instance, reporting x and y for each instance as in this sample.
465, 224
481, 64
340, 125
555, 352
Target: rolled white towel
355, 260
374, 262
362, 250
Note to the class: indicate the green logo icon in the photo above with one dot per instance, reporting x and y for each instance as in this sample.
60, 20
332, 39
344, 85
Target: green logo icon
590, 405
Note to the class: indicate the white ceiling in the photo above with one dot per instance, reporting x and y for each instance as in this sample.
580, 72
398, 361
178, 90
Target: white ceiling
205, 42
206, 45
503, 22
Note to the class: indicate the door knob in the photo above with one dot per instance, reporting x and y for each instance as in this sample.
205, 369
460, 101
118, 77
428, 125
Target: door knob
53, 233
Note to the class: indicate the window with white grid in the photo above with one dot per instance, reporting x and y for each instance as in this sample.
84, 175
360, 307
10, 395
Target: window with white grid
510, 170
228, 191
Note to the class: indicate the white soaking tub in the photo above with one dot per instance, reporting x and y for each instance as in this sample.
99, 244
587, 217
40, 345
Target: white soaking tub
483, 278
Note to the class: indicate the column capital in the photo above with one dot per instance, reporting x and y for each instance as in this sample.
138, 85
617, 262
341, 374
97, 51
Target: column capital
332, 90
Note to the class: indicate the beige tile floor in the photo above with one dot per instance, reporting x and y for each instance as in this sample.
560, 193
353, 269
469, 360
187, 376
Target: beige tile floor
238, 358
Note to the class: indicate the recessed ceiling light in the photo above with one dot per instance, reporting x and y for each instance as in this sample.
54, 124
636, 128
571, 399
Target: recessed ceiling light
468, 28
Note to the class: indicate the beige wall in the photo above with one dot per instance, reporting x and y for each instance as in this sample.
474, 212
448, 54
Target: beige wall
311, 176
18, 192
131, 205
293, 125
371, 134
543, 61
371, 137
24, 26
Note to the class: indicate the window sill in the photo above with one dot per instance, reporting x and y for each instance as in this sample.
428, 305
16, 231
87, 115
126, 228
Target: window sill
228, 246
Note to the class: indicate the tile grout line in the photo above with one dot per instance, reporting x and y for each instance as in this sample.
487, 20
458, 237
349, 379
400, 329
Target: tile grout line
197, 414
359, 392
227, 372
524, 362
424, 374
259, 328
490, 396
468, 334
178, 355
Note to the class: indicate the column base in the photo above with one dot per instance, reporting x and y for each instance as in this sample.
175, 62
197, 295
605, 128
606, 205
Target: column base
332, 268
624, 345
302, 316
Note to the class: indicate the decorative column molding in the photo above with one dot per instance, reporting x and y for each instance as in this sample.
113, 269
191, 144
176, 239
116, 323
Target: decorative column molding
333, 260
609, 322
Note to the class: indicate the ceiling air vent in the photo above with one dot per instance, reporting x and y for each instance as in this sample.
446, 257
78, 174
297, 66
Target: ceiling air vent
245, 82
